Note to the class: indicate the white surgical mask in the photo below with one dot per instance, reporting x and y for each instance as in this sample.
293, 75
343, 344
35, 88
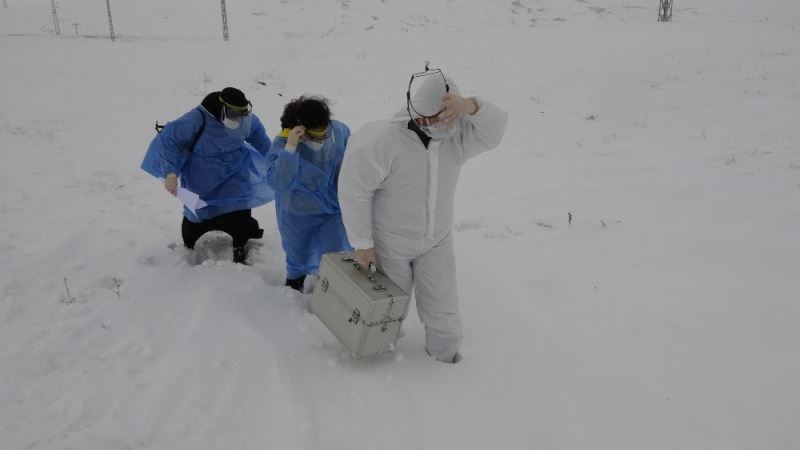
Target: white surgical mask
230, 123
239, 129
314, 145
439, 133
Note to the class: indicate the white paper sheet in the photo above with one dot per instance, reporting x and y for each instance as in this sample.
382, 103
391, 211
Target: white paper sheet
190, 200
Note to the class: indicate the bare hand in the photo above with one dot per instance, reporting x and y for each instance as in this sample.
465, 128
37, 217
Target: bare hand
171, 184
455, 106
365, 257
294, 137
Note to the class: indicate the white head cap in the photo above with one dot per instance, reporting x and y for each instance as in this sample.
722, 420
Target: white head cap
426, 98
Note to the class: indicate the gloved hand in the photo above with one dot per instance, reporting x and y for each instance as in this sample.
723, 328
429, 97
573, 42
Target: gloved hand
455, 106
365, 257
171, 184
294, 138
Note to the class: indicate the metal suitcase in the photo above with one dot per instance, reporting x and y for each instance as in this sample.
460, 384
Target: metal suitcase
363, 310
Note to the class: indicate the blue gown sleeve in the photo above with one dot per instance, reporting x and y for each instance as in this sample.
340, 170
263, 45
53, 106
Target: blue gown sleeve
258, 137
282, 166
169, 149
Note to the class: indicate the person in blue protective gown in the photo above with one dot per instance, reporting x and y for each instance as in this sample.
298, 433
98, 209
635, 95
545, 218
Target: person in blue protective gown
218, 150
303, 169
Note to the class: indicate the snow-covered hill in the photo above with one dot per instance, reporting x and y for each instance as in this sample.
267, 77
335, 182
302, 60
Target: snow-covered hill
664, 316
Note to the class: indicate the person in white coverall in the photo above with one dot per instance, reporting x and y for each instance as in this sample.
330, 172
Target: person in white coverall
396, 190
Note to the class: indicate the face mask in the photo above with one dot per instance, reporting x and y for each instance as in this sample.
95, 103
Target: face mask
438, 133
314, 145
230, 123
232, 116
239, 129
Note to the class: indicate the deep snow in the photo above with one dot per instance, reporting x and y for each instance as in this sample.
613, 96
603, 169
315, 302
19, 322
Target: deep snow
664, 316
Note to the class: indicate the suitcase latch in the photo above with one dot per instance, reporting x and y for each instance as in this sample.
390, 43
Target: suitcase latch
354, 318
387, 318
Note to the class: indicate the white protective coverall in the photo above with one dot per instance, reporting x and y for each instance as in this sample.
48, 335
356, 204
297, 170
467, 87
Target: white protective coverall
398, 197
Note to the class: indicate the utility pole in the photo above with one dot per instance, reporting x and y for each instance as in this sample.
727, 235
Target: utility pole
224, 22
110, 23
55, 18
665, 11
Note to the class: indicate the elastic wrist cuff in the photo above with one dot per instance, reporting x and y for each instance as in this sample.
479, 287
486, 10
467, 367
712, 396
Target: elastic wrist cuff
363, 244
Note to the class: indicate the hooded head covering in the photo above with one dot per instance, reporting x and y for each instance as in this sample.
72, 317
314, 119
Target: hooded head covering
426, 101
427, 92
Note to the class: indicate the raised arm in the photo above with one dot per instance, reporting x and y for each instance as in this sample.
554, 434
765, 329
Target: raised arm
482, 130
283, 164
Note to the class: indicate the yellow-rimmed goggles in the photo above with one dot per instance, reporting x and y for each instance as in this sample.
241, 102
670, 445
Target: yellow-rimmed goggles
319, 134
234, 112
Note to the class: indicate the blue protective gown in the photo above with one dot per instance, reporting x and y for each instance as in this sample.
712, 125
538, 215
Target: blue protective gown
306, 200
227, 172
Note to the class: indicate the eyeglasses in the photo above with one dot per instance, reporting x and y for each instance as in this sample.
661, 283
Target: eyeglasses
426, 73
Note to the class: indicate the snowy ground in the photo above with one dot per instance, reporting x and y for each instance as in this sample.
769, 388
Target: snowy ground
665, 316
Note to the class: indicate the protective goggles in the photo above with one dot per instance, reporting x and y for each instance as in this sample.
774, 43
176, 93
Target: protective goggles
428, 121
317, 135
419, 76
235, 112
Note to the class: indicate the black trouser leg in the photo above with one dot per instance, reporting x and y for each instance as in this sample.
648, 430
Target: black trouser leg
254, 230
191, 232
239, 225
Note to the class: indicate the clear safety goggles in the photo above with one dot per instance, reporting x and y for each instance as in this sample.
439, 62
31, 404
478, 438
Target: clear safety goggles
235, 112
428, 121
